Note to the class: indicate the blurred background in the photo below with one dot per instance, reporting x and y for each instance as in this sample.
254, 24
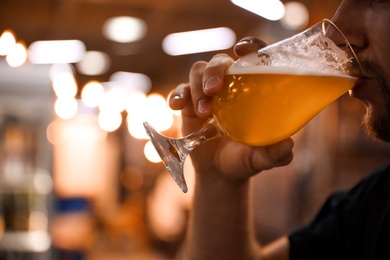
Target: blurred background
78, 177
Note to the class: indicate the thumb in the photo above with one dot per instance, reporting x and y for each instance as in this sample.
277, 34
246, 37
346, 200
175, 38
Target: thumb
247, 45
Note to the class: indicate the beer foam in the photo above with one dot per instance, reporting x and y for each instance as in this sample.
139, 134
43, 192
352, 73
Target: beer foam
264, 69
301, 55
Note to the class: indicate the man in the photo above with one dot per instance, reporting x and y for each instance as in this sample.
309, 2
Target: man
355, 225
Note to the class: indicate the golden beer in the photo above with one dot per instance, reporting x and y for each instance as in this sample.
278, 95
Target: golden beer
267, 106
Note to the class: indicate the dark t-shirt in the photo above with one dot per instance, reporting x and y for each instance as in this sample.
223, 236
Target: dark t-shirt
353, 225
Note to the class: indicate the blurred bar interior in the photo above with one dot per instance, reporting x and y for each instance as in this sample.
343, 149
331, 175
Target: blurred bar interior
78, 176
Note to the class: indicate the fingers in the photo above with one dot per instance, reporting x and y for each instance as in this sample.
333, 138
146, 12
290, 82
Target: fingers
248, 45
206, 81
214, 73
180, 99
200, 100
275, 155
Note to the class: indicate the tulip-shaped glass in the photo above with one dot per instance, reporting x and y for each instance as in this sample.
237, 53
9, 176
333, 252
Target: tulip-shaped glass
270, 95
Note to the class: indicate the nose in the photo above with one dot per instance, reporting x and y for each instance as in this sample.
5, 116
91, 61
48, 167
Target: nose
349, 18
333, 32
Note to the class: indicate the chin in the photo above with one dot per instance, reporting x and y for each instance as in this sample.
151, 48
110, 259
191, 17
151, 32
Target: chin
377, 126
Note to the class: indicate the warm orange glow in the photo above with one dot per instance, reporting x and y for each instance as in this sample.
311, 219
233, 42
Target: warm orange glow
167, 205
84, 161
38, 221
60, 132
132, 178
73, 231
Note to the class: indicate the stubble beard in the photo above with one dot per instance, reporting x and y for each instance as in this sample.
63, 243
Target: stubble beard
377, 126
377, 123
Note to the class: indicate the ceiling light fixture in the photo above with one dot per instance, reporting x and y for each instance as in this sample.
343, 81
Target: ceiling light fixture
296, 17
7, 42
94, 63
199, 41
131, 81
269, 9
124, 29
58, 51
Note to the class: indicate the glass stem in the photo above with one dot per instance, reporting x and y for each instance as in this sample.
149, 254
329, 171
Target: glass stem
173, 152
207, 132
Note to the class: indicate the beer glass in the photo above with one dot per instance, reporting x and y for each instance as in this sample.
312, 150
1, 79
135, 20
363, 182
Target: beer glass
270, 95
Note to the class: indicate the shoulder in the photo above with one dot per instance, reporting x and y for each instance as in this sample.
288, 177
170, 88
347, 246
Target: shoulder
347, 218
378, 180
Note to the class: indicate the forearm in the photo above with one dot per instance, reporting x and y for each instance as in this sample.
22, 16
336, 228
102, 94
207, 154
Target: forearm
221, 221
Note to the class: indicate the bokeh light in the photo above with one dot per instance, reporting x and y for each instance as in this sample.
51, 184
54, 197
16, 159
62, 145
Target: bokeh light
296, 16
43, 182
64, 85
60, 132
92, 94
7, 42
109, 120
66, 108
131, 81
154, 111
94, 63
124, 29
151, 153
114, 100
17, 55
157, 112
199, 41
136, 101
272, 10
58, 68
135, 126
58, 51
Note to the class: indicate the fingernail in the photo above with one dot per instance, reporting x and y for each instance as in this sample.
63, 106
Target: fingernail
203, 106
177, 96
211, 83
243, 42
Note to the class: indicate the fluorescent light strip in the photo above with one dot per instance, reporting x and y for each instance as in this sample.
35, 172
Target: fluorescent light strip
269, 9
51, 52
131, 81
199, 41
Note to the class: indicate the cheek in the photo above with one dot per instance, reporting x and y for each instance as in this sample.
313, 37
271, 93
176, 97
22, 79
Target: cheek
380, 44
378, 35
384, 63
